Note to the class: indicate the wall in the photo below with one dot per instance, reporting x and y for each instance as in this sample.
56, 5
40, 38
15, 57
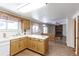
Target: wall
8, 17
51, 28
40, 27
64, 29
70, 32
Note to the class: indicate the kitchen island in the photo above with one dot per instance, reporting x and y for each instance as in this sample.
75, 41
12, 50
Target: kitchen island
36, 43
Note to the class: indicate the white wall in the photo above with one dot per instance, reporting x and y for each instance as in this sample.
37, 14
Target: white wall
40, 28
64, 29
70, 32
51, 29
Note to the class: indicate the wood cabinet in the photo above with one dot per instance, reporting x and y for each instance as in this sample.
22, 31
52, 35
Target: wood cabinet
25, 42
17, 45
58, 30
34, 44
42, 46
22, 44
37, 45
25, 24
28, 24
14, 47
29, 42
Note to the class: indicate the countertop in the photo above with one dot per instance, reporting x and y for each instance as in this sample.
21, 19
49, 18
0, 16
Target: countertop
42, 37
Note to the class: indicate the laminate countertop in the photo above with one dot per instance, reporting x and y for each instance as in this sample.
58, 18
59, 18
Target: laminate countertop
42, 37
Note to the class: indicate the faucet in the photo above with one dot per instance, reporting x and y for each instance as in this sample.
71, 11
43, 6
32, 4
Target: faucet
4, 35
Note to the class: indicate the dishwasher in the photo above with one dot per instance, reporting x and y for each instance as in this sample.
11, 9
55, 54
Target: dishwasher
5, 48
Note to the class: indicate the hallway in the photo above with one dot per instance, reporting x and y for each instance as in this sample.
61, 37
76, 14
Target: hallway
59, 49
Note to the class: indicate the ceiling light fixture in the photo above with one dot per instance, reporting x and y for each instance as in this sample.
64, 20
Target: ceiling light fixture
30, 7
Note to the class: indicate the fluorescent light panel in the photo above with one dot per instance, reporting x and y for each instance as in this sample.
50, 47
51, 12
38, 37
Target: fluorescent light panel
30, 7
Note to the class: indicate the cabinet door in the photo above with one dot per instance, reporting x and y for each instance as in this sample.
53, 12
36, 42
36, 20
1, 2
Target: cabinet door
43, 46
28, 24
40, 47
30, 43
25, 42
14, 47
33, 44
25, 24
21, 44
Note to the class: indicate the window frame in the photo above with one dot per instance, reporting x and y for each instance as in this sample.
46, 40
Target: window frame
35, 28
45, 29
6, 24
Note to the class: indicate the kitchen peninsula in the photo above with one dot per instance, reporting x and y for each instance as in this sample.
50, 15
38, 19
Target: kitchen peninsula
36, 43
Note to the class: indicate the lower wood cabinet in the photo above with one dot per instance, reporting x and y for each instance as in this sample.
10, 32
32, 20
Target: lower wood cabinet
42, 47
17, 45
14, 47
29, 43
21, 44
37, 45
33, 44
25, 42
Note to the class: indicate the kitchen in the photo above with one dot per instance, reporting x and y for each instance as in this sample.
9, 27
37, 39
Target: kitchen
38, 31
12, 34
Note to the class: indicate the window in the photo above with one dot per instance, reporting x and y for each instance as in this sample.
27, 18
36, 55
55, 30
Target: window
2, 24
45, 29
13, 25
8, 24
35, 28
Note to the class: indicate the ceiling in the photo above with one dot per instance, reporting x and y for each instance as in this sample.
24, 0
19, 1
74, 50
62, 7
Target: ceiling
52, 13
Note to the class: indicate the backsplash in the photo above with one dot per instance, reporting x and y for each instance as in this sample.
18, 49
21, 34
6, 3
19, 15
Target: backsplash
6, 33
9, 33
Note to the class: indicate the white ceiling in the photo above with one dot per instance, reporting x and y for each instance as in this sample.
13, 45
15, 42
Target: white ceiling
51, 13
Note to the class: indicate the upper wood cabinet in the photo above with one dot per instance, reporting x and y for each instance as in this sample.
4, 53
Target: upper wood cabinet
25, 24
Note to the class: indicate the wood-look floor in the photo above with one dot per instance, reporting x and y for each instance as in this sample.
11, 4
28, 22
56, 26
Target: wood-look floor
56, 48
